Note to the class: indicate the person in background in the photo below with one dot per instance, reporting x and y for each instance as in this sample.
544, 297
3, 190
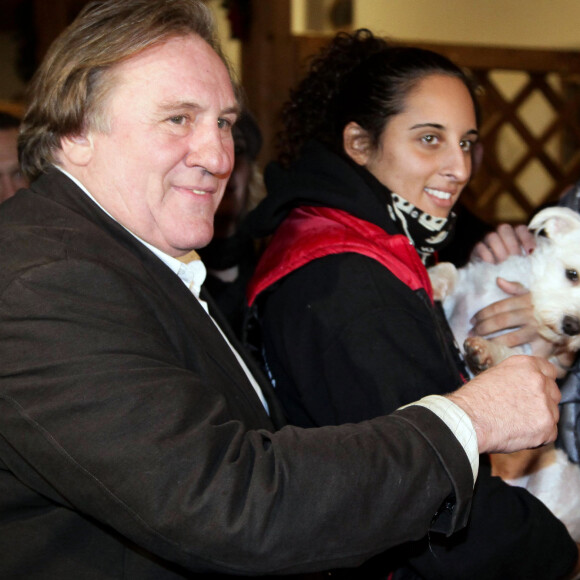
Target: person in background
137, 439
376, 149
11, 177
230, 257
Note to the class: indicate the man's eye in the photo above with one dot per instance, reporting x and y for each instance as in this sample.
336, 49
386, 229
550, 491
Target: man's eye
224, 124
177, 119
572, 274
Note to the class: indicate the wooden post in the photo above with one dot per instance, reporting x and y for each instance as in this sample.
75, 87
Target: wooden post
268, 67
50, 19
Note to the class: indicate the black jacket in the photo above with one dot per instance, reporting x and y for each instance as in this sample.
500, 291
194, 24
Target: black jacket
345, 340
132, 445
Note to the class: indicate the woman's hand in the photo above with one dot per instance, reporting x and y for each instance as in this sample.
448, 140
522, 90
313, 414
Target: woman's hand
506, 241
517, 313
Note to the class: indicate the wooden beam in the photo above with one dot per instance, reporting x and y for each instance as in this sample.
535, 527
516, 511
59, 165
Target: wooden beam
268, 67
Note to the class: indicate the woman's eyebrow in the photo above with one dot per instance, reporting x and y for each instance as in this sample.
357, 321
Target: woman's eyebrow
442, 128
432, 125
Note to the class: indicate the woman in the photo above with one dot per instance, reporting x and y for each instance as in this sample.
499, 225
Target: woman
376, 150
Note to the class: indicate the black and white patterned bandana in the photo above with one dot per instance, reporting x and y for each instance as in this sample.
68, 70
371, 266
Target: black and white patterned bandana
427, 233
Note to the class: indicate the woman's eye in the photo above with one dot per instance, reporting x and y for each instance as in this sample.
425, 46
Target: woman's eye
466, 145
430, 139
572, 274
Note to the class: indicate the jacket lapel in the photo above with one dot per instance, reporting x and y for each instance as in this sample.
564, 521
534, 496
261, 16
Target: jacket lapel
63, 191
275, 408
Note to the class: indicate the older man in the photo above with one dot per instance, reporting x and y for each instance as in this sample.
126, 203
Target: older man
136, 439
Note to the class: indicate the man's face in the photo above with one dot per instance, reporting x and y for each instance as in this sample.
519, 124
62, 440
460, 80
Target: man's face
162, 168
11, 180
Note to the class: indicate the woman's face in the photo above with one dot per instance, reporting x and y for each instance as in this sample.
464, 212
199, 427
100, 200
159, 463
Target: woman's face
424, 153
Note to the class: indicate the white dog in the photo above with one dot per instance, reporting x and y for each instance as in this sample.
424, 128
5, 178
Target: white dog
551, 273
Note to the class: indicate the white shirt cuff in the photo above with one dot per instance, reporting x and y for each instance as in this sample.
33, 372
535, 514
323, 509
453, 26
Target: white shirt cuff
459, 422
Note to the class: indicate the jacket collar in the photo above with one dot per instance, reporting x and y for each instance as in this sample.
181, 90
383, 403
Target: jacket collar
57, 189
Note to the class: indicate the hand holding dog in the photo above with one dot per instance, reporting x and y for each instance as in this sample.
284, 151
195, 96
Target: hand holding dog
506, 241
516, 312
513, 405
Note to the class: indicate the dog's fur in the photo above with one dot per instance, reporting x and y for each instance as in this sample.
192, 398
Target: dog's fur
552, 274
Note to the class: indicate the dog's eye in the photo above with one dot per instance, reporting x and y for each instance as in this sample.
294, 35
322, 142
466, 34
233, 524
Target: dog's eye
572, 275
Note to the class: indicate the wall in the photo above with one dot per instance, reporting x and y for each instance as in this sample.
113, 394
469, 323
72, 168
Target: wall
231, 47
311, 14
525, 23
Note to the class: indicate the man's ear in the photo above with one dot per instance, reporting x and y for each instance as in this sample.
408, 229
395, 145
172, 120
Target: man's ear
356, 143
77, 149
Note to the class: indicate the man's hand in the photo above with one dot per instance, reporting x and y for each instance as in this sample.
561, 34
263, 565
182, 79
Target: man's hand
504, 242
513, 405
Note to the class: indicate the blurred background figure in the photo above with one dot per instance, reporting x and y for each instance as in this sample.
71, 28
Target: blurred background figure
230, 257
11, 179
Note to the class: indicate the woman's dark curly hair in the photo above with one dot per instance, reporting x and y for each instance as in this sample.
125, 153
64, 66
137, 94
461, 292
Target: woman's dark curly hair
357, 77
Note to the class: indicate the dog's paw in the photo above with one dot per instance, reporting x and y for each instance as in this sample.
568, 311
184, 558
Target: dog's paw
443, 279
477, 353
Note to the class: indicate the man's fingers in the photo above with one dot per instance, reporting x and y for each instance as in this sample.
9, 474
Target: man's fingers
547, 368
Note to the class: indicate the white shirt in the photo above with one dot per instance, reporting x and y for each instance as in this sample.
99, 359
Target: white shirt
193, 276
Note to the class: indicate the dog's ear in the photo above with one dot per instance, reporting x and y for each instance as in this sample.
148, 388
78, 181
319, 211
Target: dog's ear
554, 221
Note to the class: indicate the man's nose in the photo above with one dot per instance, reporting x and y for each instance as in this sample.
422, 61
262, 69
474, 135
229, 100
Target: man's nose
213, 151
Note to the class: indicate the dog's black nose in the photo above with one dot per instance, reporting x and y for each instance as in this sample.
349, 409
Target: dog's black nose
571, 325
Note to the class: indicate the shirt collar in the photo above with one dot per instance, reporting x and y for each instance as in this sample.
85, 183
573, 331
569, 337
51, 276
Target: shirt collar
192, 273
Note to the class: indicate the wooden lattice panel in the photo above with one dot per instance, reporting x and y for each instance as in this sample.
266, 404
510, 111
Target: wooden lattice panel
546, 160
